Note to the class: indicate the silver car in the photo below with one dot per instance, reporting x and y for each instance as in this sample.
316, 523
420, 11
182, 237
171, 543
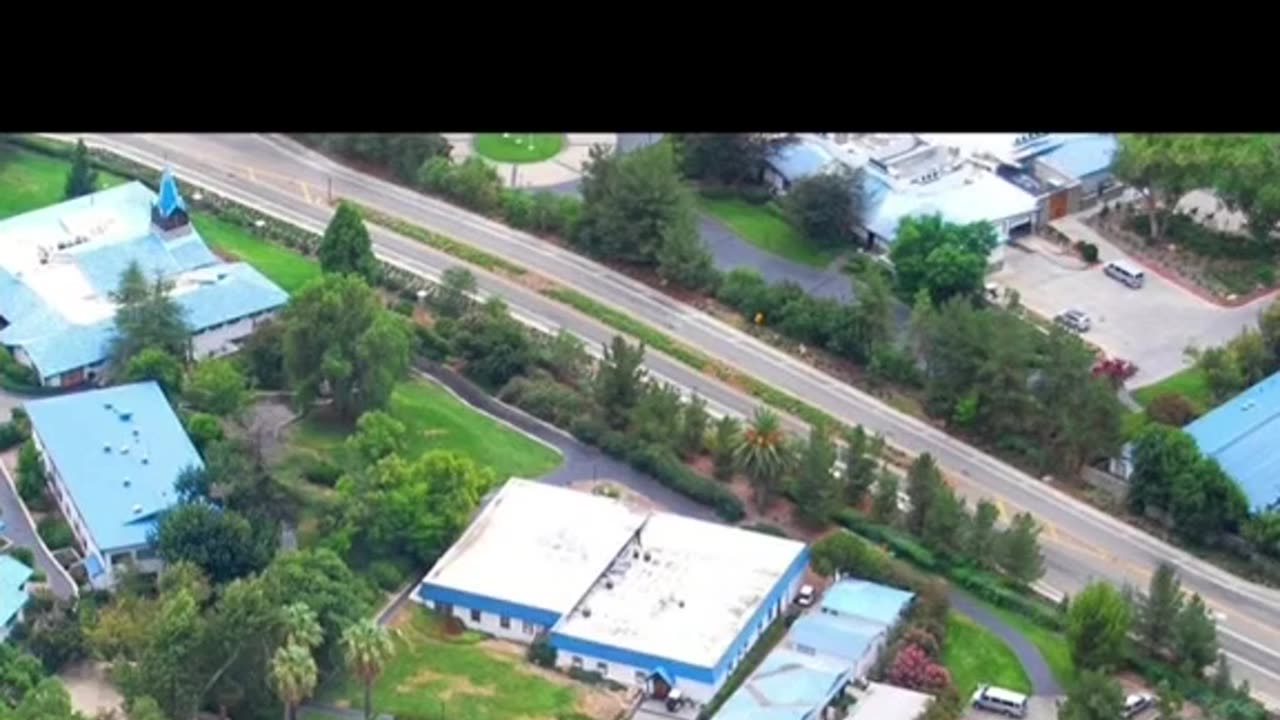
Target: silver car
1073, 319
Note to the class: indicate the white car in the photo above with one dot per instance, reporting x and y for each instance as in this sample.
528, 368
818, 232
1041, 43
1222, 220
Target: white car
804, 598
1136, 703
1073, 319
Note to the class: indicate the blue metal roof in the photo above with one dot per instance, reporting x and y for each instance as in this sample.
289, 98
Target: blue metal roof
13, 594
1243, 435
799, 158
226, 292
872, 601
1083, 156
843, 637
786, 686
169, 199
119, 491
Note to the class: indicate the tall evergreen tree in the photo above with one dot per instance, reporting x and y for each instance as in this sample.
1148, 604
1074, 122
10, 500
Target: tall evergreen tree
861, 463
884, 505
923, 482
619, 381
345, 247
1158, 612
693, 427
728, 431
1195, 637
1019, 549
817, 487
82, 179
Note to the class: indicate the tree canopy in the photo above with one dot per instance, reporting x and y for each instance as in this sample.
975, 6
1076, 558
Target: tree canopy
1097, 626
723, 158
221, 542
82, 179
217, 387
338, 338
828, 207
147, 317
345, 246
945, 259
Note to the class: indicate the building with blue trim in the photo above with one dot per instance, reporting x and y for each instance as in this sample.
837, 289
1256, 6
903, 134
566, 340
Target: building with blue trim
1243, 435
112, 457
627, 594
13, 593
825, 650
60, 265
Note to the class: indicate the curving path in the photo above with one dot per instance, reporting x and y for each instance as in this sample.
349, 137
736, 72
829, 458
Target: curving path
1042, 680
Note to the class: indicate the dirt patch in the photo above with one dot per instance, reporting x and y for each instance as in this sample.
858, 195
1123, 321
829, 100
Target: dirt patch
455, 685
91, 693
592, 701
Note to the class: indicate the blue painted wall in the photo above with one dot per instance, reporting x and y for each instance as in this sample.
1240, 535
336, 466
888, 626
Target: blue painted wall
779, 589
435, 593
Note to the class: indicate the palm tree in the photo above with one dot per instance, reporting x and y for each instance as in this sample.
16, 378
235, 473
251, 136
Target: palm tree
764, 454
301, 626
293, 673
367, 645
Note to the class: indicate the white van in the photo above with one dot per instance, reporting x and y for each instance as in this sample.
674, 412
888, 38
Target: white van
1126, 273
1005, 702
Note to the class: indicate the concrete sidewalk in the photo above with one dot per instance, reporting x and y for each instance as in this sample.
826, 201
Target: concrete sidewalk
20, 529
558, 174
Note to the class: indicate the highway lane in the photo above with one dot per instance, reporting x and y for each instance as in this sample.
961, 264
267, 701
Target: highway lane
1080, 541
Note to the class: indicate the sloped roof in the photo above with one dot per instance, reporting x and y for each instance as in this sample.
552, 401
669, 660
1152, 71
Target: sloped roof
1079, 157
13, 596
1243, 435
799, 159
865, 599
786, 686
169, 199
119, 491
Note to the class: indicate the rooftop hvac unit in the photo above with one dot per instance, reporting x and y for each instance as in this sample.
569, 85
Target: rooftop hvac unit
106, 447
137, 509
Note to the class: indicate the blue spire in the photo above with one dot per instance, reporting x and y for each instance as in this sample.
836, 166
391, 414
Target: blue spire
169, 200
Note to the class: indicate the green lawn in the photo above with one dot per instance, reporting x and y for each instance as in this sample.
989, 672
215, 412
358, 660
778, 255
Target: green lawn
432, 675
976, 656
518, 147
439, 421
765, 227
284, 267
1189, 382
30, 181
1052, 645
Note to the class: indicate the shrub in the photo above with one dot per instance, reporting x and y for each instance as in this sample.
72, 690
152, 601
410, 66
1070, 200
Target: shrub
404, 307
24, 556
898, 543
1089, 252
10, 436
56, 533
1172, 408
319, 471
204, 430
662, 463
993, 589
1265, 275
31, 477
518, 209
541, 653
547, 399
386, 575
913, 668
895, 364
429, 343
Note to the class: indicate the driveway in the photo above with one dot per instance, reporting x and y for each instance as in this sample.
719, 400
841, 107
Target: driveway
18, 528
1151, 326
1042, 680
730, 251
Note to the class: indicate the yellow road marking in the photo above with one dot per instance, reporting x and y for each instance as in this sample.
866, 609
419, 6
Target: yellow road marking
306, 193
1001, 511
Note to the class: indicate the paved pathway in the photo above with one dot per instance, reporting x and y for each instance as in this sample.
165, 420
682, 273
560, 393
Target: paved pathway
18, 528
1042, 680
730, 251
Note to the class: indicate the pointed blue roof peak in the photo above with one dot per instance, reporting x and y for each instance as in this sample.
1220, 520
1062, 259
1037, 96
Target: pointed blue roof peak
169, 199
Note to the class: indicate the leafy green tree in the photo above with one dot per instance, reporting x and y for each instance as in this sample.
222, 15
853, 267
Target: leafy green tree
301, 626
1159, 610
263, 355
1097, 626
843, 552
884, 504
293, 673
454, 295
817, 488
723, 158
1164, 167
826, 207
345, 246
338, 337
764, 455
861, 461
495, 345
20, 672
655, 420
1018, 549
217, 387
82, 179
637, 209
415, 508
378, 435
367, 646
220, 542
727, 439
619, 381
943, 258
982, 538
693, 427
147, 318
31, 476
946, 524
1168, 702
1076, 417
321, 580
155, 364
924, 483
1263, 530
145, 708
1195, 637
1095, 696
51, 630
48, 700
567, 360
170, 667
1159, 454
1221, 370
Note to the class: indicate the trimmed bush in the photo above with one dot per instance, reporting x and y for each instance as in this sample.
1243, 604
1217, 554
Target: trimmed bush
10, 436
547, 399
662, 463
541, 653
1172, 408
56, 533
898, 543
24, 556
319, 471
1088, 252
386, 575
429, 343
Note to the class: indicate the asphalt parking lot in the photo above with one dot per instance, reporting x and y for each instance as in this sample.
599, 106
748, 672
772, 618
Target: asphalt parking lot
1151, 326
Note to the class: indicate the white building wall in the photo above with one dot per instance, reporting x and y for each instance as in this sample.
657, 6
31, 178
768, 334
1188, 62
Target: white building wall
631, 675
221, 340
517, 630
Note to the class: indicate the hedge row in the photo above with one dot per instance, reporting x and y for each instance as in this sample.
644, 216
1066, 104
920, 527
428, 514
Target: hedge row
663, 464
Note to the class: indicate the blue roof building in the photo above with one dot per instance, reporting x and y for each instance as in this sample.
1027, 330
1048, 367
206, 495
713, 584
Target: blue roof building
1083, 156
59, 266
787, 685
867, 600
796, 160
13, 592
1243, 435
112, 456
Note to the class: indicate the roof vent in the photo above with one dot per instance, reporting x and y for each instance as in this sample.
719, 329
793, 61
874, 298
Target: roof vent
137, 509
608, 584
136, 432
106, 405
1249, 405
648, 557
124, 449
127, 483
106, 447
125, 415
680, 603
586, 612
146, 460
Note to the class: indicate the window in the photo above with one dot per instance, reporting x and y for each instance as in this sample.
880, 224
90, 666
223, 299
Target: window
475, 615
146, 554
529, 628
504, 622
602, 668
576, 662
121, 558
641, 677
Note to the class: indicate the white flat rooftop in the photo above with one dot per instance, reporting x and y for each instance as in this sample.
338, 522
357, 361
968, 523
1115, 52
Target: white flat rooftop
888, 702
700, 586
537, 545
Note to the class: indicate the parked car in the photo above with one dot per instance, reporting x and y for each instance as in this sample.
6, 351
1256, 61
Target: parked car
999, 700
804, 598
1136, 703
1073, 319
1115, 368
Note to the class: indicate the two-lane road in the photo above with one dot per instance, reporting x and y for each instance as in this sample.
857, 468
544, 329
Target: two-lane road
1080, 541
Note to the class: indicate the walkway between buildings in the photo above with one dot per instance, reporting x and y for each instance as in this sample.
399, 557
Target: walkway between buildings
1042, 680
20, 529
